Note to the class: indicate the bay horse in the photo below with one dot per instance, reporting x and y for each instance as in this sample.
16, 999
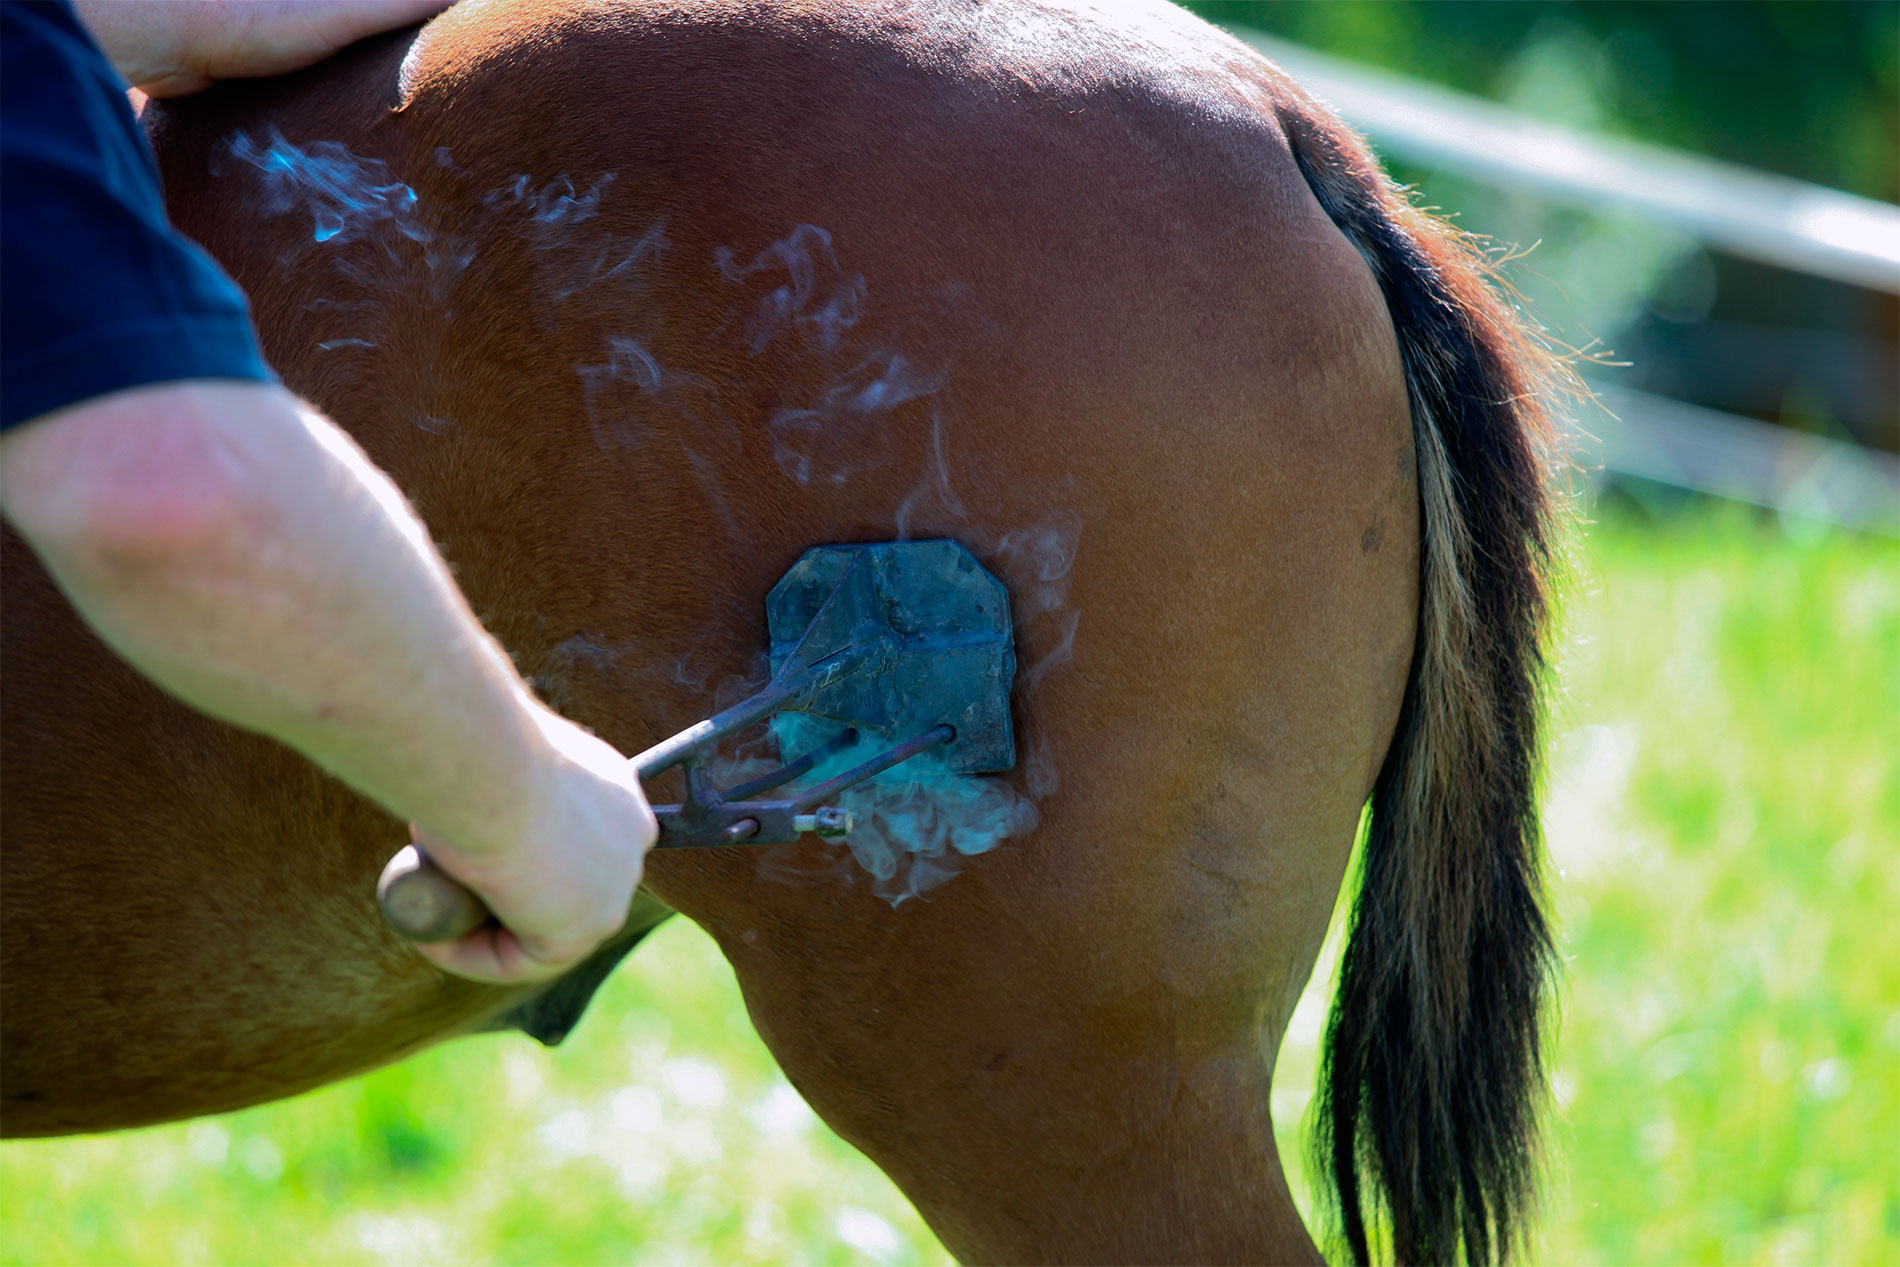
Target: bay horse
637, 301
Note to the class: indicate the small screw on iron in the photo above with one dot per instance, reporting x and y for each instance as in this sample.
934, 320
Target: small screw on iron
828, 821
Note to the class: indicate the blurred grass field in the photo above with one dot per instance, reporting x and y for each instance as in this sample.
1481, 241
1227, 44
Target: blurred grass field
1723, 813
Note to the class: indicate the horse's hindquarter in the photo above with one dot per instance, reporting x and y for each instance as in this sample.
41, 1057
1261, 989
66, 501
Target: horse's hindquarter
684, 291
187, 911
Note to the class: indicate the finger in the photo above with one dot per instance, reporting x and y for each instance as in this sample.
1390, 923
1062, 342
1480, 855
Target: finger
493, 955
494, 952
178, 83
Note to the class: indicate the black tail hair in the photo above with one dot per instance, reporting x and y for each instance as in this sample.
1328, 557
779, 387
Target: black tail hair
1432, 1084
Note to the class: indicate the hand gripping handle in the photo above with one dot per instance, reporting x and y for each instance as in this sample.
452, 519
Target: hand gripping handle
426, 904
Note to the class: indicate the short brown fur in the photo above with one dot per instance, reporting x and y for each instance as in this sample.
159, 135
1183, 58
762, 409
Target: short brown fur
1128, 261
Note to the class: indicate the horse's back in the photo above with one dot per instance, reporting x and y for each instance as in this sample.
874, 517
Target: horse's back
637, 303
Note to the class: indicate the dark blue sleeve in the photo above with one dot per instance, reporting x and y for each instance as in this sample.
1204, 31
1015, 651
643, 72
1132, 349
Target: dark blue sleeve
98, 292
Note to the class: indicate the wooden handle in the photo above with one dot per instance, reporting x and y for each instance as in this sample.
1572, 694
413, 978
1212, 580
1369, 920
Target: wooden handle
424, 903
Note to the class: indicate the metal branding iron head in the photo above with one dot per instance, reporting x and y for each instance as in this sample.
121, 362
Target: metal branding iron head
901, 647
936, 626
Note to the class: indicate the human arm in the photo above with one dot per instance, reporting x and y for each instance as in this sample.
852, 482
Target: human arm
167, 48
240, 550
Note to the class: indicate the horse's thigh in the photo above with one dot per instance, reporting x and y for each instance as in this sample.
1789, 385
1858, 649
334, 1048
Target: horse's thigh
1055, 1015
1119, 974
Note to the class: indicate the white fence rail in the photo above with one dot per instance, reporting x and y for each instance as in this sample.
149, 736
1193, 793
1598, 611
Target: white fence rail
1773, 219
1806, 476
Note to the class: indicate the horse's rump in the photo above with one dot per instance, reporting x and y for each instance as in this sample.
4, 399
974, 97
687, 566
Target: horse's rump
637, 302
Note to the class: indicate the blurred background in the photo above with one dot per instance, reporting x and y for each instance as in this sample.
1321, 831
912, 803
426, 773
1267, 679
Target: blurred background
1702, 200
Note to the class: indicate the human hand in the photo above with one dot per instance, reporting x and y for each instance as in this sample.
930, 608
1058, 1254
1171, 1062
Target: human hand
565, 883
167, 48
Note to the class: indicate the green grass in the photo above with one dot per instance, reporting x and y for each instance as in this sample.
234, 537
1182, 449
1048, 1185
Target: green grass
1723, 812
1724, 821
662, 1131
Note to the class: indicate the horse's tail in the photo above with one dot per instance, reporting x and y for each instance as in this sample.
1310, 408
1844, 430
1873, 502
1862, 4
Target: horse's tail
1433, 1082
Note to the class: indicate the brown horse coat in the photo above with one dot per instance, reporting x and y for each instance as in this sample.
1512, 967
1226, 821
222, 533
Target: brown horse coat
637, 302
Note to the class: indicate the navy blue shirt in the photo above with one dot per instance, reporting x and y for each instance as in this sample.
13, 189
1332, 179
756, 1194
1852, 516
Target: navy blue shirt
97, 291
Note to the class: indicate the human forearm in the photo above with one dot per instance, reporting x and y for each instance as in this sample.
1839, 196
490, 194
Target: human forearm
241, 551
280, 583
